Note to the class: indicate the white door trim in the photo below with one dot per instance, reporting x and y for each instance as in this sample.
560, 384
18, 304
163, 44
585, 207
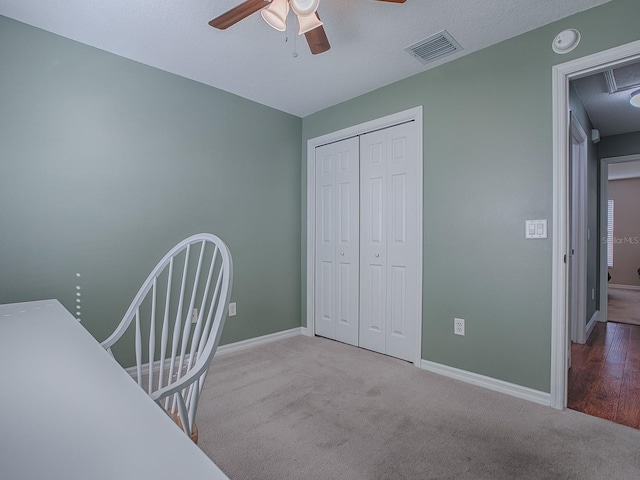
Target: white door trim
561, 75
413, 114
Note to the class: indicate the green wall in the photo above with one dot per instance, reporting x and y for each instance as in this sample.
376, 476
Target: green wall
105, 164
619, 145
487, 167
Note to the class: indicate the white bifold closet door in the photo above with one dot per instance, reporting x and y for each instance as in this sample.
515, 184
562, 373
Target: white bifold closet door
366, 266
389, 241
337, 240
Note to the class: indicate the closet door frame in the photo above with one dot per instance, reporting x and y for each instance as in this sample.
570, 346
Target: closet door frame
413, 114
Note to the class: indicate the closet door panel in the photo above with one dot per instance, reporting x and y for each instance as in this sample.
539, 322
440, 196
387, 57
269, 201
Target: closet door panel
402, 244
348, 240
373, 292
337, 240
388, 247
325, 244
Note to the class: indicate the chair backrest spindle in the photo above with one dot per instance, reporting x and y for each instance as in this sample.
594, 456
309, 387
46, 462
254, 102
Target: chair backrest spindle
152, 335
186, 340
138, 348
165, 326
178, 322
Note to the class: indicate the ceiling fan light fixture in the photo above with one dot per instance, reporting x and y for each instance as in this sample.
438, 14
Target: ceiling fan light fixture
304, 8
276, 14
308, 23
635, 99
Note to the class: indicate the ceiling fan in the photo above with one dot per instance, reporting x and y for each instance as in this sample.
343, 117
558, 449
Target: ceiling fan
275, 13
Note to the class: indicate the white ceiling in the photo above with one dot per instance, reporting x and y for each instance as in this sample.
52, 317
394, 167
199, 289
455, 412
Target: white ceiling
254, 61
610, 113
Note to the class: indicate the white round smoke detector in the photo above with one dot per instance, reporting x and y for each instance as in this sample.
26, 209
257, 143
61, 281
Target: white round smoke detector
566, 41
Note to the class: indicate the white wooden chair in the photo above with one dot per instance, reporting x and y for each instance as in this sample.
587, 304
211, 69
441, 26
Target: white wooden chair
179, 311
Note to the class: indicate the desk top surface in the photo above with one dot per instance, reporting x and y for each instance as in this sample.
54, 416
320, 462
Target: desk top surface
69, 411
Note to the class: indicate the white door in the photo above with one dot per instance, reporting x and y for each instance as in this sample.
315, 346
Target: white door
389, 241
577, 235
337, 241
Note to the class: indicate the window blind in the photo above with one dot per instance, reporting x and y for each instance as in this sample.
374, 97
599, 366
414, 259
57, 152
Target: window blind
610, 233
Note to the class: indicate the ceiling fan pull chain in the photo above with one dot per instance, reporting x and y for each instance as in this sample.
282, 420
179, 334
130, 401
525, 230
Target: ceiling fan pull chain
294, 50
294, 53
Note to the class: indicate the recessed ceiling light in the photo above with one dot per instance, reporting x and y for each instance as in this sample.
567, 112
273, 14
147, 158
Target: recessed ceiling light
635, 99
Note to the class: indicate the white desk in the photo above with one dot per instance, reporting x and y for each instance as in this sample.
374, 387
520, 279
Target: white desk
69, 411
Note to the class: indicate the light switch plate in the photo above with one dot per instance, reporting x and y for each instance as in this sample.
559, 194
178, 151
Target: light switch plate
535, 228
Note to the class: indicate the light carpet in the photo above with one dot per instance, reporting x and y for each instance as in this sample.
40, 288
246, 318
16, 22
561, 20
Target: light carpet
623, 305
311, 408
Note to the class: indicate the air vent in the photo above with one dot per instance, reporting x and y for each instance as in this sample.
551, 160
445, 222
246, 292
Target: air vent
434, 47
623, 78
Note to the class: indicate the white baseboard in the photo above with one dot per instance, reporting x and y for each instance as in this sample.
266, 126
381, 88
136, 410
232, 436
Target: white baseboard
624, 287
451, 372
501, 386
254, 342
592, 323
463, 375
231, 347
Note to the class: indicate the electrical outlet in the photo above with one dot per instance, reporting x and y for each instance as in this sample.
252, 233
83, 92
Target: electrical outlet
458, 326
232, 309
194, 316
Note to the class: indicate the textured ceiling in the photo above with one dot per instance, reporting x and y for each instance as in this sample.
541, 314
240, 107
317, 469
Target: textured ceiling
610, 113
257, 62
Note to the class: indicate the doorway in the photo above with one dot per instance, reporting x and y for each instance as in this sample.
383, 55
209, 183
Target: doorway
316, 251
625, 168
562, 75
603, 378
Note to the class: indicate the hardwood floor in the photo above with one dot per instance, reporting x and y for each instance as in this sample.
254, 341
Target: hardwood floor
604, 378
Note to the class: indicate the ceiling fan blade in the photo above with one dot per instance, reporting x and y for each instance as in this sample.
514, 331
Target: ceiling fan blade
238, 13
317, 39
392, 1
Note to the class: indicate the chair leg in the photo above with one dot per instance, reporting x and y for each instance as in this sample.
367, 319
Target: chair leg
176, 419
